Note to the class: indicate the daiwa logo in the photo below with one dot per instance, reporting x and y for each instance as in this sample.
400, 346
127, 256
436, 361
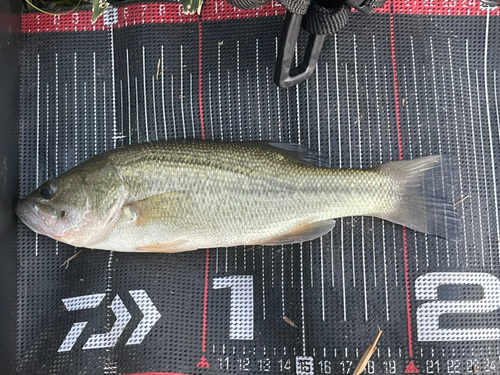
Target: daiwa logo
109, 339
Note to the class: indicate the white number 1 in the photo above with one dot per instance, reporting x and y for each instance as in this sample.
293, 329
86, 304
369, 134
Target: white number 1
241, 311
426, 288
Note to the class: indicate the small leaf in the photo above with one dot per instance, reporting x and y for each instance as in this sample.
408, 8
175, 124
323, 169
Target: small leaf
98, 8
192, 6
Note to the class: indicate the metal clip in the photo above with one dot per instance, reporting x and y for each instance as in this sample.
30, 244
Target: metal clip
284, 74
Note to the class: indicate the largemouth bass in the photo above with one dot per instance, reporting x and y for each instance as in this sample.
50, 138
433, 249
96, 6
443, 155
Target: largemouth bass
179, 195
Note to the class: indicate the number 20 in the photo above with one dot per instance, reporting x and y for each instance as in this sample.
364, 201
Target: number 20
426, 288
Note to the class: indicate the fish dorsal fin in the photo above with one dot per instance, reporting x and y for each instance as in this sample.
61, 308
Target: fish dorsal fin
300, 154
170, 205
303, 232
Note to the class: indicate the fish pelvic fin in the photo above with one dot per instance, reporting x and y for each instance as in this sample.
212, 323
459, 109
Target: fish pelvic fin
172, 247
424, 196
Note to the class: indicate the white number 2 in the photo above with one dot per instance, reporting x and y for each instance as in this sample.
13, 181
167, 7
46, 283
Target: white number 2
426, 288
241, 311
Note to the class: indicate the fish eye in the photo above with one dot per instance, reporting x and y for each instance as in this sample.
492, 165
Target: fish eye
48, 190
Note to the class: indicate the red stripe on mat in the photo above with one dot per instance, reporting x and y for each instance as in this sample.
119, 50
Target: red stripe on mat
156, 13
400, 144
139, 14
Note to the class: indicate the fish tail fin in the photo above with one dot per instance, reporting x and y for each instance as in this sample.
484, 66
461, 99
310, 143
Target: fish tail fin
425, 205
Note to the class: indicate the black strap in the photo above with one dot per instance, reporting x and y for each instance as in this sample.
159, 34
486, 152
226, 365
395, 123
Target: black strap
247, 4
321, 20
296, 6
378, 3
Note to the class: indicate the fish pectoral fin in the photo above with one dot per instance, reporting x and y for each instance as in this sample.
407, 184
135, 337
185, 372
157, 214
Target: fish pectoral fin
168, 205
172, 247
303, 232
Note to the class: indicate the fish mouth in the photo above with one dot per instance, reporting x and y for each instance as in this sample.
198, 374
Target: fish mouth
38, 217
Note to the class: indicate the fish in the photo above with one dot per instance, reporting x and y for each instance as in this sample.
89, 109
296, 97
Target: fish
181, 195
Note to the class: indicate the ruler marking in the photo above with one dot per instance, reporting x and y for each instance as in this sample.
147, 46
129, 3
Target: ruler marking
47, 96
210, 103
350, 166
493, 171
278, 100
263, 284
144, 92
226, 253
420, 154
75, 82
297, 95
200, 79
410, 146
38, 130
191, 102
318, 116
361, 166
122, 136
332, 270
438, 121
56, 159
172, 102
217, 260
104, 114
426, 97
282, 282
163, 96
496, 100
258, 86
181, 95
371, 162
386, 85
154, 104
137, 112
302, 301
230, 115
379, 123
84, 119
484, 164
268, 97
445, 98
129, 100
239, 90
65, 126
249, 112
219, 95
474, 146
113, 88
322, 281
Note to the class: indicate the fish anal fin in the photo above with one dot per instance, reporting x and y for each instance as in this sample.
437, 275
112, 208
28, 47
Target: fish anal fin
301, 233
172, 247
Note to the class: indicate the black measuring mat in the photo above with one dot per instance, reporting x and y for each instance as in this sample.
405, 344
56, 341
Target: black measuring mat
147, 72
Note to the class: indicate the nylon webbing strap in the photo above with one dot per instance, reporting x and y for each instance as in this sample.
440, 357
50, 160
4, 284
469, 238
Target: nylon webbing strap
321, 20
247, 4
